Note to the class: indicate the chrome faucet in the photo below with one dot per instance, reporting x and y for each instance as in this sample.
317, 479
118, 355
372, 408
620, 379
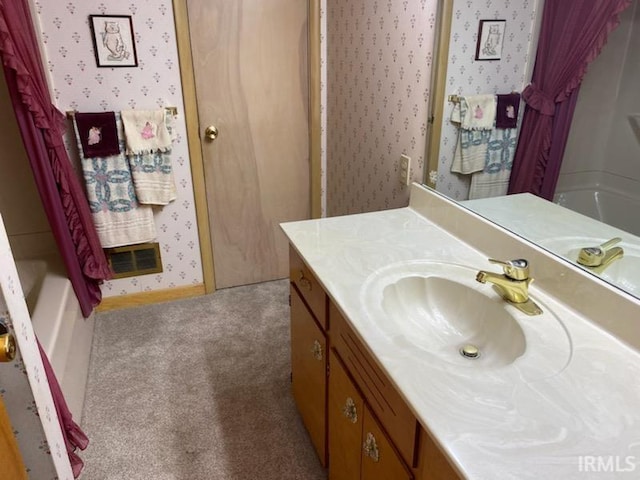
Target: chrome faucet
599, 258
512, 284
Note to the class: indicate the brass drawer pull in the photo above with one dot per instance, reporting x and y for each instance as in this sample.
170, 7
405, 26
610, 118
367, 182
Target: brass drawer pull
349, 410
317, 350
304, 281
370, 448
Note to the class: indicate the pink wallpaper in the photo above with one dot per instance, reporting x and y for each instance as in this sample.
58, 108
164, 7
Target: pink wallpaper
78, 84
378, 59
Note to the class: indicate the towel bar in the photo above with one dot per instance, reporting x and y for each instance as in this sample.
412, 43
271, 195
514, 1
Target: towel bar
170, 110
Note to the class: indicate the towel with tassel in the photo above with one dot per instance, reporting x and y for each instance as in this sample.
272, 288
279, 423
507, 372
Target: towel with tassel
472, 144
118, 217
98, 134
507, 107
149, 139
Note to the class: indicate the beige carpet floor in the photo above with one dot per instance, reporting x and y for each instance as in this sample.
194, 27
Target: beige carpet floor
196, 389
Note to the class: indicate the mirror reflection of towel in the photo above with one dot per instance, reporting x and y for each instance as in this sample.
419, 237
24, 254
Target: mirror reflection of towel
507, 110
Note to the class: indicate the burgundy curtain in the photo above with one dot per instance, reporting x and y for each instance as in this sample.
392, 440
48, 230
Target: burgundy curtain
572, 35
41, 126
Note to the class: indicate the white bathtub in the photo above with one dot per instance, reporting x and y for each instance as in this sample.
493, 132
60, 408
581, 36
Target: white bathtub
611, 207
57, 321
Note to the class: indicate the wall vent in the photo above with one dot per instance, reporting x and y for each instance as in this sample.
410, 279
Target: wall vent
134, 260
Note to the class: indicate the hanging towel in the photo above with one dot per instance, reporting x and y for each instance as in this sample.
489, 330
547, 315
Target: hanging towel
480, 113
98, 134
118, 217
149, 154
146, 131
153, 177
471, 147
493, 180
507, 110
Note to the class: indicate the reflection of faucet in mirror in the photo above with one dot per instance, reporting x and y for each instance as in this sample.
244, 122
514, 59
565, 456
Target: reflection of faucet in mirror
600, 257
599, 177
513, 284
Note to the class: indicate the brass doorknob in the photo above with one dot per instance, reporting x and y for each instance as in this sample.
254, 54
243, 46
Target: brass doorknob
7, 347
211, 133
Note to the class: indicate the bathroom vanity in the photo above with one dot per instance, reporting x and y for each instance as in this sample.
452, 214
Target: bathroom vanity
381, 305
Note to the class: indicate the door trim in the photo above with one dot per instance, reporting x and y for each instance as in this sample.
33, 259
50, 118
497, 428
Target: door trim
187, 76
438, 88
315, 100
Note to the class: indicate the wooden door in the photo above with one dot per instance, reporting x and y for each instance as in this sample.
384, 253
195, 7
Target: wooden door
251, 76
11, 464
379, 459
346, 414
309, 373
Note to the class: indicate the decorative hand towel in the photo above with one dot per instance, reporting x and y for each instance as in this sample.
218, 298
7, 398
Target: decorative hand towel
117, 215
146, 131
507, 110
151, 169
98, 134
480, 113
471, 147
493, 181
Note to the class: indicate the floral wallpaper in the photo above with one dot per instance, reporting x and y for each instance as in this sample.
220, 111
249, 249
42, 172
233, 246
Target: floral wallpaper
467, 76
378, 55
23, 383
78, 84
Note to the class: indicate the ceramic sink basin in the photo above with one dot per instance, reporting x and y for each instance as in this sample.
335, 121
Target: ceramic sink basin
436, 309
624, 272
441, 316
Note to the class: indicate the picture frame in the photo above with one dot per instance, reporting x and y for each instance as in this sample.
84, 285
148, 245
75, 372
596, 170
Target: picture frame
113, 41
490, 39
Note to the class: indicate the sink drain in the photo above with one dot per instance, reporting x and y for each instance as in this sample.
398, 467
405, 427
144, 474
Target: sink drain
469, 351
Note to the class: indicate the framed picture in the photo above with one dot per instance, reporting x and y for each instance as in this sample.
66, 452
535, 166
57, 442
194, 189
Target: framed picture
490, 39
113, 41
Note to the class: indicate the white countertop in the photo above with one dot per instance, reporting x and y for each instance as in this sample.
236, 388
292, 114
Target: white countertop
492, 424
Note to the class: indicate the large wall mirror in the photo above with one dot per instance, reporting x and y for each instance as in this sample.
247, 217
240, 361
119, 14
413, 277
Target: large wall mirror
597, 197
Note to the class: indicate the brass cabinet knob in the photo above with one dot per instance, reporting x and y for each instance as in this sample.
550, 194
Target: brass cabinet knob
350, 411
316, 350
370, 447
211, 133
304, 282
7, 347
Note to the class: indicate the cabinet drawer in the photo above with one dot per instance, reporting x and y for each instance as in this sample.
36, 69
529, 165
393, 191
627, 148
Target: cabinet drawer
309, 287
309, 373
379, 392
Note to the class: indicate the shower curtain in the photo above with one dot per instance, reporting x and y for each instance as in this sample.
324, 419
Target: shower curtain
572, 36
42, 126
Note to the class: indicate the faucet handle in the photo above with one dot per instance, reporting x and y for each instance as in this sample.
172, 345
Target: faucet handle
516, 269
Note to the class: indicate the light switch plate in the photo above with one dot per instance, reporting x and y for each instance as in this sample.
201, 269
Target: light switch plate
405, 168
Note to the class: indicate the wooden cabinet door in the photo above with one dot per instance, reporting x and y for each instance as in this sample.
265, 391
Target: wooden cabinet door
11, 464
346, 412
309, 373
379, 459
